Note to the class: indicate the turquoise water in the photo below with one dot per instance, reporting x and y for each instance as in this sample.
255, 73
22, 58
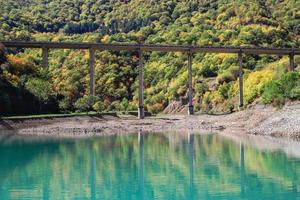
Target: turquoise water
151, 166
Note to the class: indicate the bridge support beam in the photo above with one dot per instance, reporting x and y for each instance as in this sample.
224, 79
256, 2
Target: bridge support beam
190, 83
45, 55
141, 113
241, 90
92, 71
292, 61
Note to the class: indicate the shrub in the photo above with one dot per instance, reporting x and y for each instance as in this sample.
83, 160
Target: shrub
124, 104
295, 92
224, 89
207, 71
272, 90
155, 108
115, 105
216, 98
206, 102
288, 86
65, 104
99, 106
228, 75
86, 103
201, 88
289, 81
254, 83
225, 77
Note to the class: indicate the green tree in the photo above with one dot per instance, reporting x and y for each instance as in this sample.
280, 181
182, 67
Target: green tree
40, 88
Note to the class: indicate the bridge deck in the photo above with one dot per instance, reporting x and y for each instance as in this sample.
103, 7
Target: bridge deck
152, 47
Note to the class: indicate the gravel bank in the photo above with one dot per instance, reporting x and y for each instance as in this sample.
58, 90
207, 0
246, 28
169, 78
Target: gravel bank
259, 120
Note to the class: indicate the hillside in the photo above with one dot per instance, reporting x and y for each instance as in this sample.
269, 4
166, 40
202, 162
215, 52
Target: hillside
27, 88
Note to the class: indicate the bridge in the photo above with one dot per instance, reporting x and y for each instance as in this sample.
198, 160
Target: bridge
189, 49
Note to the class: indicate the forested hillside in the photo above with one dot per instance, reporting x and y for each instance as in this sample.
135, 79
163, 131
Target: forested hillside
26, 87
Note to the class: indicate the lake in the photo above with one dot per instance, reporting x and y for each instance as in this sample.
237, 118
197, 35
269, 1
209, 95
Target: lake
150, 166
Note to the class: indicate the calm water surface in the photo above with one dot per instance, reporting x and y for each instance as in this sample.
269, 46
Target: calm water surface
152, 166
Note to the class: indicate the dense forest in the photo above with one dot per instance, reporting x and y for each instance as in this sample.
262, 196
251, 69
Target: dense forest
27, 88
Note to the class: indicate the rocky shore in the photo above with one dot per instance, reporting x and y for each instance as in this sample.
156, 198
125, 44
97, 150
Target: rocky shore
258, 120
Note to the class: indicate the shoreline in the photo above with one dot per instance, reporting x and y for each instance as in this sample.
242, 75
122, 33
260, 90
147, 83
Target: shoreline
255, 120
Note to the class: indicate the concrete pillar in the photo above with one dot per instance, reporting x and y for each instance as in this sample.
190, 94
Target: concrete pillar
241, 80
292, 61
141, 113
190, 82
45, 55
92, 71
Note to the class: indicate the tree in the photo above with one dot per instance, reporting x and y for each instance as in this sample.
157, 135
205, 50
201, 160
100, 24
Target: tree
40, 88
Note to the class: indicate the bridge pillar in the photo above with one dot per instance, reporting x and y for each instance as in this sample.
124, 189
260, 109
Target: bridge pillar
241, 90
92, 71
292, 61
141, 113
190, 83
45, 55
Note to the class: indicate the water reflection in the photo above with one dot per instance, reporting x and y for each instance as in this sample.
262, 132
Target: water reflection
149, 166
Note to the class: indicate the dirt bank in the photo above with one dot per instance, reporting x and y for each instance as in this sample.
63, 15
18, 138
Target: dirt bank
260, 120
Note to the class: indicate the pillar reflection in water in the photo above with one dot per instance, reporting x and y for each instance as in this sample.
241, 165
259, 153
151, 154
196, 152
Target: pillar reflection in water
191, 155
92, 176
141, 165
242, 169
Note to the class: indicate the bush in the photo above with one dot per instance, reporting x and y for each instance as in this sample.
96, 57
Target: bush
271, 91
225, 77
229, 75
207, 71
295, 92
288, 82
206, 102
115, 105
254, 83
86, 103
224, 89
124, 105
65, 104
99, 106
201, 88
288, 86
155, 108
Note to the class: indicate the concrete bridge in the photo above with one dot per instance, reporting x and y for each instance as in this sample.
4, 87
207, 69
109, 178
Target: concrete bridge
189, 49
